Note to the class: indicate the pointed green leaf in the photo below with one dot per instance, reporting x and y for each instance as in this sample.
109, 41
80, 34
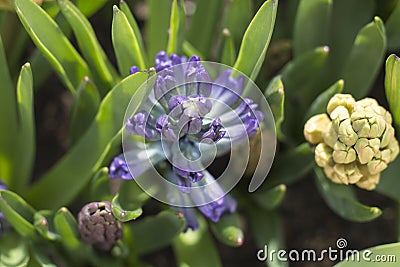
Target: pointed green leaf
228, 231
256, 40
43, 222
84, 109
392, 86
237, 15
187, 246
157, 26
320, 103
189, 50
276, 99
8, 120
25, 143
13, 251
88, 8
103, 71
52, 42
267, 230
301, 89
18, 213
311, 27
75, 169
389, 183
126, 44
100, 186
127, 213
270, 198
201, 31
228, 53
392, 28
176, 27
364, 61
342, 200
154, 232
67, 227
131, 19
300, 160
386, 255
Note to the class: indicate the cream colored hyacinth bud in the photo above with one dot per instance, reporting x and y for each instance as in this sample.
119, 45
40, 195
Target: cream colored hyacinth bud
355, 141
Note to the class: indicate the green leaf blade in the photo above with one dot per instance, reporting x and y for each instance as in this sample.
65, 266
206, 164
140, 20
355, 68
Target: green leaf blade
66, 226
256, 40
75, 169
365, 59
89, 45
157, 26
53, 43
341, 199
126, 44
176, 28
392, 86
228, 231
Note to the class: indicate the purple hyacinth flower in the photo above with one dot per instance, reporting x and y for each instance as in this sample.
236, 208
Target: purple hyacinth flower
119, 169
134, 69
141, 124
216, 209
162, 61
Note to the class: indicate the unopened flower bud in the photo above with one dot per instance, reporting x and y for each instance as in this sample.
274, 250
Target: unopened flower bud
98, 226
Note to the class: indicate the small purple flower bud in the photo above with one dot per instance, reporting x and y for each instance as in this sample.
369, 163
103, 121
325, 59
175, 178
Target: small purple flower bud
186, 178
162, 61
134, 69
198, 81
191, 219
214, 133
141, 124
98, 226
216, 209
165, 128
119, 169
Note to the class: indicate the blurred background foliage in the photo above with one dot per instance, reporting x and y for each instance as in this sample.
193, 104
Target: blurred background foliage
318, 48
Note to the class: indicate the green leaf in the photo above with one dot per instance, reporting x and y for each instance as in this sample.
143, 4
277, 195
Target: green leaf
320, 103
176, 28
41, 257
256, 40
386, 255
228, 231
392, 28
126, 44
75, 169
392, 86
301, 89
267, 230
311, 26
67, 227
100, 186
125, 214
131, 19
228, 54
43, 222
8, 120
269, 198
25, 139
276, 99
53, 43
342, 200
88, 8
189, 50
154, 232
389, 183
18, 213
300, 160
201, 31
364, 61
157, 26
84, 109
103, 71
191, 247
237, 15
13, 251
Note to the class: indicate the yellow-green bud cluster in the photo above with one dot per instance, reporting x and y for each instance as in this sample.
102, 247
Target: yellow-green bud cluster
354, 141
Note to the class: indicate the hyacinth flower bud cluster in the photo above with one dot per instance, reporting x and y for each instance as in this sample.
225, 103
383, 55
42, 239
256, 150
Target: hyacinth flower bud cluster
98, 226
355, 141
191, 114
